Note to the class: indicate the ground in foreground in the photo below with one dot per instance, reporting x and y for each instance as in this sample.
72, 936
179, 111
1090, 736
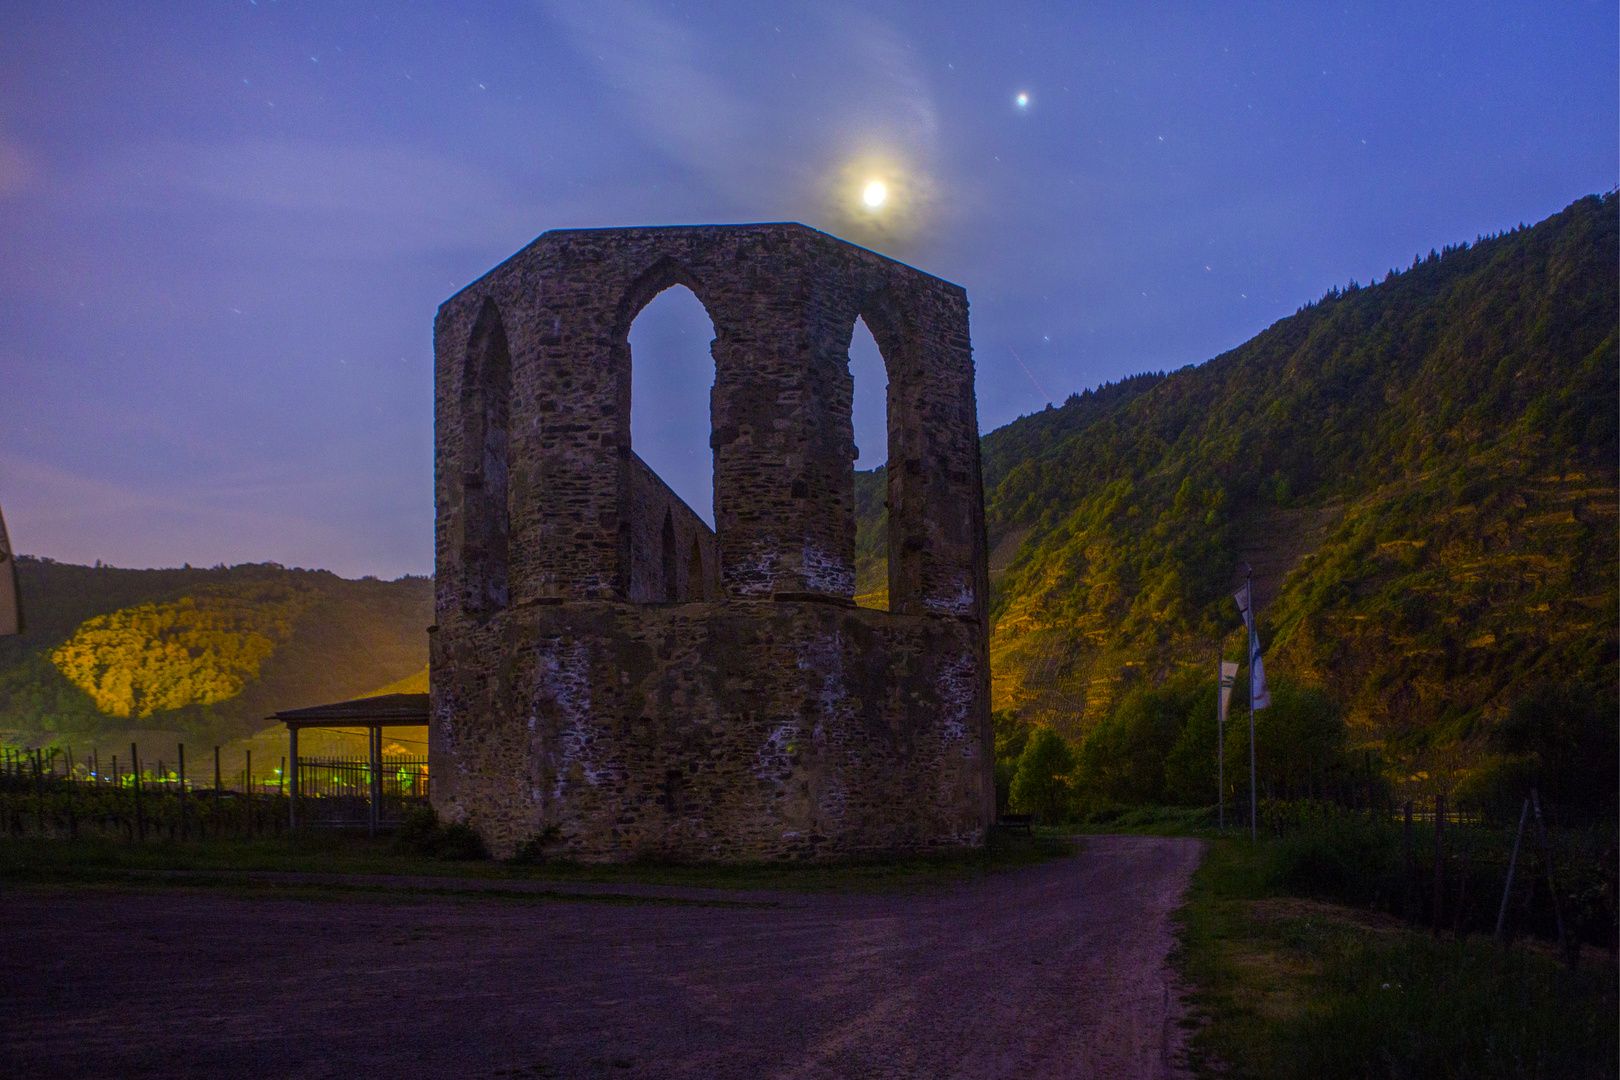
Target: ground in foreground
1054, 969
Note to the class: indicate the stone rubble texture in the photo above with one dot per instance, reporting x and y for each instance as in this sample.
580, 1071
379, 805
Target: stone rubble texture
614, 678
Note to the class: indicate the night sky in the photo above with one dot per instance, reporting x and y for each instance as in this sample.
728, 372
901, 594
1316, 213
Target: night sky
225, 227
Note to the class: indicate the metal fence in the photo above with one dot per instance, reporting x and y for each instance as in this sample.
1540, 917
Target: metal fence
50, 792
337, 791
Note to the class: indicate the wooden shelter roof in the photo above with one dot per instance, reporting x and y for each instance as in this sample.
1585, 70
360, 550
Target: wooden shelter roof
389, 710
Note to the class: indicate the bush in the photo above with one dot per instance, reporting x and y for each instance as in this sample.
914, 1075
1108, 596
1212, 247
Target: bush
415, 834
1191, 773
1338, 856
1560, 739
534, 849
421, 834
1300, 751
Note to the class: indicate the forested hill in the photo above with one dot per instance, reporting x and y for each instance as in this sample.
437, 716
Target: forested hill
1026, 440
1422, 471
205, 651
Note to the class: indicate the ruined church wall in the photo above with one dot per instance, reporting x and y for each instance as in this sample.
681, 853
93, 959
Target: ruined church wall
715, 731
783, 300
773, 720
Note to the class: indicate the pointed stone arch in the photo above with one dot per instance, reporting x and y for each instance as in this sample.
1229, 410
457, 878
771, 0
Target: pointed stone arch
697, 581
895, 331
667, 558
655, 524
666, 272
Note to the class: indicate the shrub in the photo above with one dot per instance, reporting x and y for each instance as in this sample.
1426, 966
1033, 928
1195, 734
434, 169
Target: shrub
415, 834
459, 843
533, 850
1299, 748
1563, 740
1340, 856
1123, 760
421, 834
1041, 784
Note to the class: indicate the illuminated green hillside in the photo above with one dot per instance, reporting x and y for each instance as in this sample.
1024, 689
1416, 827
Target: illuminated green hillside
206, 651
1422, 471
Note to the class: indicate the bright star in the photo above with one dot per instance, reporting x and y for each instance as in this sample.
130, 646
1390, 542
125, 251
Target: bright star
874, 194
1022, 100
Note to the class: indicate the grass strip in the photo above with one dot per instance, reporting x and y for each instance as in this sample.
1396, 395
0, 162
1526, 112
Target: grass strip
1289, 988
41, 860
235, 887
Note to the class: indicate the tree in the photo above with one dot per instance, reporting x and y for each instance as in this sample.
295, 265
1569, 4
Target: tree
1041, 784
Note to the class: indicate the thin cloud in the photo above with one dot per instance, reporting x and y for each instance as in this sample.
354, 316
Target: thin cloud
670, 93
778, 129
322, 198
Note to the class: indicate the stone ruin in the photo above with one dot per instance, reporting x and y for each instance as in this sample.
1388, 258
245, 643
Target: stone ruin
615, 680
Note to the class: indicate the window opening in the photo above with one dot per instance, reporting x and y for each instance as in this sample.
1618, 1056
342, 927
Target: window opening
671, 376
870, 417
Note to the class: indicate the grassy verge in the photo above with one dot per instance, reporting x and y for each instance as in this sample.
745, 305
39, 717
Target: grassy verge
1287, 987
350, 891
46, 861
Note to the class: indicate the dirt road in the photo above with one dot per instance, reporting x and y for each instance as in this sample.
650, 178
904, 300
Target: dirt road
1052, 971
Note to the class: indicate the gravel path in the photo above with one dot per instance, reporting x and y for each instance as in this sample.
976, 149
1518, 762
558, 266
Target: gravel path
1056, 970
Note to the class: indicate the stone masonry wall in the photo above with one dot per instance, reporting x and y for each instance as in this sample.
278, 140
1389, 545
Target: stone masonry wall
651, 502
715, 731
689, 699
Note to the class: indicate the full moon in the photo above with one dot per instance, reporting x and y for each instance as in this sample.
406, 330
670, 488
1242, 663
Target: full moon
874, 194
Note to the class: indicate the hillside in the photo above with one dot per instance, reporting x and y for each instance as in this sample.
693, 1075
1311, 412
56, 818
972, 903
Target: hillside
1027, 439
207, 652
1422, 471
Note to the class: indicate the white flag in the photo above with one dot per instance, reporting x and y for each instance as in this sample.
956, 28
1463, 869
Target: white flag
1229, 669
1259, 693
1242, 598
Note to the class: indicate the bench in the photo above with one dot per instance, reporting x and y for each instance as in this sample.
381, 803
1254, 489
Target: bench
1023, 823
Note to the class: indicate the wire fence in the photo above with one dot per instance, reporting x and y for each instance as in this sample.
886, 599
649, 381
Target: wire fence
51, 793
1456, 870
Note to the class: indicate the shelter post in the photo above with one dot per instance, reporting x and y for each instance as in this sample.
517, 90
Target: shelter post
375, 748
292, 756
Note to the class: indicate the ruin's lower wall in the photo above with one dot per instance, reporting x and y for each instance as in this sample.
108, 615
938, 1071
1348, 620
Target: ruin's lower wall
713, 731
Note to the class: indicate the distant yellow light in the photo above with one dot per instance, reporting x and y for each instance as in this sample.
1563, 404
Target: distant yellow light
874, 195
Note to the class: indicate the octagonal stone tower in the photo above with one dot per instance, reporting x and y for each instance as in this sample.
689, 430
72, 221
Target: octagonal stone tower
612, 676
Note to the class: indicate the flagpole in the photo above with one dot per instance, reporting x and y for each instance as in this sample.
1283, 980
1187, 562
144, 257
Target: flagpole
1220, 741
1254, 828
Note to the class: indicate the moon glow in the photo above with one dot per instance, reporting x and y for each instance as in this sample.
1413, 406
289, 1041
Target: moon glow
879, 199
